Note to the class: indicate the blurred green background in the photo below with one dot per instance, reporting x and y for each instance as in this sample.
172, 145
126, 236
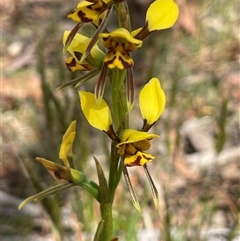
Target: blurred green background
196, 169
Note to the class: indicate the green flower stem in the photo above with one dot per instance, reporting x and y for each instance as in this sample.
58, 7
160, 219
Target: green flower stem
90, 187
119, 101
120, 122
107, 232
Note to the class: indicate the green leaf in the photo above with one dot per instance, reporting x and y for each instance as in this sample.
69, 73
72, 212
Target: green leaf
103, 187
97, 236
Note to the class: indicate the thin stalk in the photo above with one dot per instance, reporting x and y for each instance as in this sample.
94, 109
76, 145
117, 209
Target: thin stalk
118, 97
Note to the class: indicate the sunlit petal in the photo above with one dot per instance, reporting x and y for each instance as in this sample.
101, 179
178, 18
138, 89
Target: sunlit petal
161, 14
96, 112
152, 101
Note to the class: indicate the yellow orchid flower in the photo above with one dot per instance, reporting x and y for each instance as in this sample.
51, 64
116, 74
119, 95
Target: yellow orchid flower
161, 14
132, 143
96, 12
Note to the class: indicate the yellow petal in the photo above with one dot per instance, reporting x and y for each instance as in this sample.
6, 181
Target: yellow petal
96, 112
66, 148
131, 136
161, 14
152, 101
70, 129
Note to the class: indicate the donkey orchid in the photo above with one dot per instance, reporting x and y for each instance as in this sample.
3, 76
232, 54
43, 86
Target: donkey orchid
131, 143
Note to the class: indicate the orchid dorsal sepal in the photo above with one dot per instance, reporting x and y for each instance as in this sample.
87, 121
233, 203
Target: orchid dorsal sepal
133, 136
152, 101
97, 113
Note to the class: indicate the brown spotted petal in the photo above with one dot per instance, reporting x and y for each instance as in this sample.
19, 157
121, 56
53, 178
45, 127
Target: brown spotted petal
138, 159
88, 11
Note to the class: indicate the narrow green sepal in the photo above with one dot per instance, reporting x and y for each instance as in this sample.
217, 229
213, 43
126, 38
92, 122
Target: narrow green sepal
100, 86
97, 236
71, 36
79, 80
153, 188
131, 190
